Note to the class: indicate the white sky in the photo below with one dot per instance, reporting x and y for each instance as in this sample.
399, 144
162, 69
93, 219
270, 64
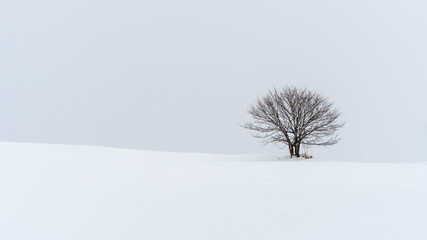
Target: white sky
180, 75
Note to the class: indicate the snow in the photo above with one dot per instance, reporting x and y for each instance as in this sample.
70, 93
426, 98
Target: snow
51, 192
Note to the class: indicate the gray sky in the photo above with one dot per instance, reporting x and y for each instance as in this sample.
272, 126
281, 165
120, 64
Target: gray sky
180, 75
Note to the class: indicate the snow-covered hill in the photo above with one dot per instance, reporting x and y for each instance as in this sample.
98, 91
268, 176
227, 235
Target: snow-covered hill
52, 192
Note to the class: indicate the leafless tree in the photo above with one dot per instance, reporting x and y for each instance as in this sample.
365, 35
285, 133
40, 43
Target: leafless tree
294, 117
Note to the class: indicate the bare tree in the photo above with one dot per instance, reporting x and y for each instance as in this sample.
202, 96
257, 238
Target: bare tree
294, 117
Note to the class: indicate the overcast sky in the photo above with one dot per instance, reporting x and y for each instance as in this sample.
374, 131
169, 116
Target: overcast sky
179, 75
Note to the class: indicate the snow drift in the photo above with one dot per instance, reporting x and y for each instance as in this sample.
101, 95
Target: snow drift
52, 192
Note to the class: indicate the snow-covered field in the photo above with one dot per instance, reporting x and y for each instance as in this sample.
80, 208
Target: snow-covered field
59, 192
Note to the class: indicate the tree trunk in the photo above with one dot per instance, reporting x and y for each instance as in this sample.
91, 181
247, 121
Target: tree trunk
291, 150
297, 148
